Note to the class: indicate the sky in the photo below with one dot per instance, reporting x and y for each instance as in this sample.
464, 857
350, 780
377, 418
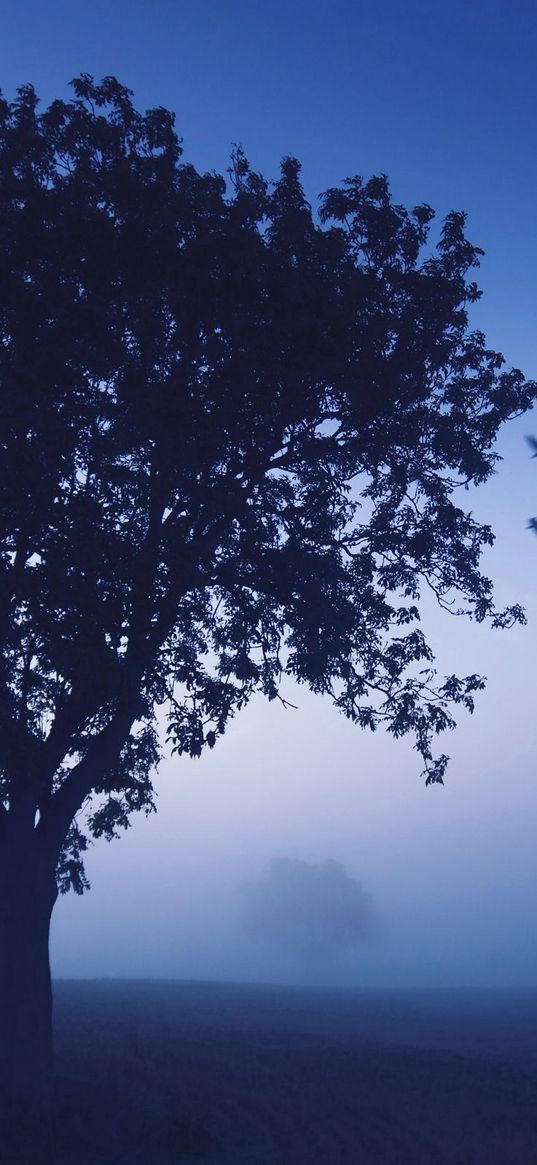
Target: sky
442, 97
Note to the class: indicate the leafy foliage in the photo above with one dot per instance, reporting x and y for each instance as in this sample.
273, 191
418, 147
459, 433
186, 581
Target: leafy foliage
233, 436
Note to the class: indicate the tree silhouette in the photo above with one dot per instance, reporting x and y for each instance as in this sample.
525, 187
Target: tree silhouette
313, 911
233, 436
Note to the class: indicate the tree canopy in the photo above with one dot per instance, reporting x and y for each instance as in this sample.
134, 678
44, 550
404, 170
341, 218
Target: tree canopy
235, 436
313, 911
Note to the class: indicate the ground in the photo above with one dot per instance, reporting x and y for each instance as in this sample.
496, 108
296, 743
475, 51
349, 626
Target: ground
176, 1073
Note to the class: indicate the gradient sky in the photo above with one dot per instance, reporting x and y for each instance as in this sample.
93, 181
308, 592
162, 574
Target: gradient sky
443, 98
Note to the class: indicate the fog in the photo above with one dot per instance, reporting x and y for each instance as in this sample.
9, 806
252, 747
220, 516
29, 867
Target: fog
452, 870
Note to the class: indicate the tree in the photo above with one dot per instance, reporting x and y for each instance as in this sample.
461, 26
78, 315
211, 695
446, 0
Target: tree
312, 911
233, 436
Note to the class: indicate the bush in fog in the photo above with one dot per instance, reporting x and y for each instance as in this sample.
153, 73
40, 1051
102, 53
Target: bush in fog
310, 910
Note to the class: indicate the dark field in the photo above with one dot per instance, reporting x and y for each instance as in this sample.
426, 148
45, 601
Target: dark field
173, 1073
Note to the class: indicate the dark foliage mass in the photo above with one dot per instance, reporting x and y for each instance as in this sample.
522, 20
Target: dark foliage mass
313, 911
235, 437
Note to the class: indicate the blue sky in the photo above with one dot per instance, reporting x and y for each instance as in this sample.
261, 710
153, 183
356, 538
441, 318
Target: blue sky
443, 98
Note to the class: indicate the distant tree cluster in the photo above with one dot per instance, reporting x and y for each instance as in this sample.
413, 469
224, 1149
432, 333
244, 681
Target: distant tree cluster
311, 911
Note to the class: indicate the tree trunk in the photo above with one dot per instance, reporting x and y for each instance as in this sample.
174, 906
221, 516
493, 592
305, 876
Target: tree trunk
27, 896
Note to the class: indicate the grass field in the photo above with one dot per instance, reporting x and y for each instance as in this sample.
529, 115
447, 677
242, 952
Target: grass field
175, 1073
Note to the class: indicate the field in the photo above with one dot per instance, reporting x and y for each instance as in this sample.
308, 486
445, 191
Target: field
175, 1073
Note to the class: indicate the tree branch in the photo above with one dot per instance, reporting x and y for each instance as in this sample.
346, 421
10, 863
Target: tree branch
101, 755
